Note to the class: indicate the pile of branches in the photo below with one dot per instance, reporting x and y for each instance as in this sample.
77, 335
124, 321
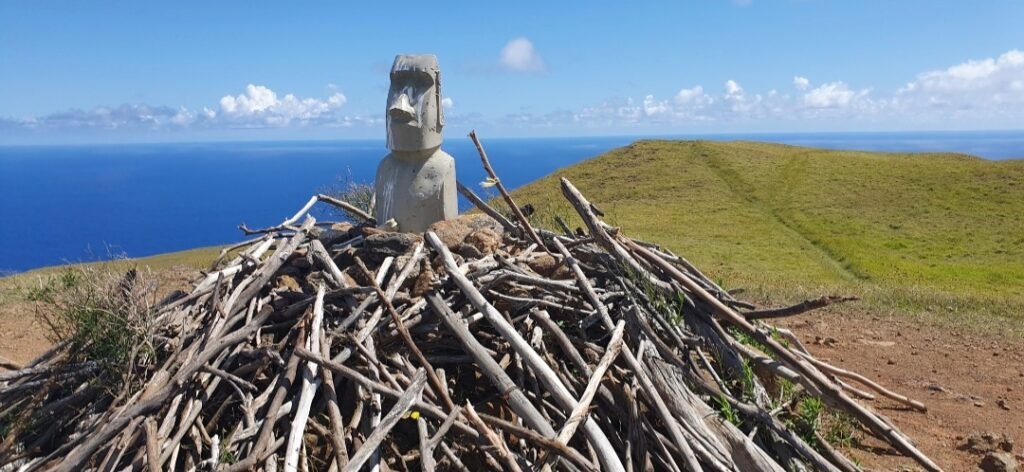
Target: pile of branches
512, 348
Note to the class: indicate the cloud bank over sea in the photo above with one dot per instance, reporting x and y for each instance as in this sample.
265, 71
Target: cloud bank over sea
973, 94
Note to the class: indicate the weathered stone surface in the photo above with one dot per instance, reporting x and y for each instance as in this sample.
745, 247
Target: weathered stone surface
484, 240
368, 231
548, 266
999, 462
468, 251
288, 283
338, 232
381, 245
981, 443
454, 231
424, 282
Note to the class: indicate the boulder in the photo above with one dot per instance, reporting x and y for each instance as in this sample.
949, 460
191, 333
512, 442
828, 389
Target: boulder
454, 231
981, 443
338, 232
998, 462
378, 246
484, 240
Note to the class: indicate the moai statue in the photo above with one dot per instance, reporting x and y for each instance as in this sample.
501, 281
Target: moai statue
415, 183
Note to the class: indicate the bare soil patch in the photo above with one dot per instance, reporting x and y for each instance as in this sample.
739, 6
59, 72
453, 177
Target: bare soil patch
23, 337
969, 381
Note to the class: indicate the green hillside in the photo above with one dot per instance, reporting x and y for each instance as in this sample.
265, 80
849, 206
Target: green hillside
934, 234
13, 288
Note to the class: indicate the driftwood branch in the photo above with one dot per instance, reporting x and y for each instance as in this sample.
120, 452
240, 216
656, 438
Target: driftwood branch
802, 307
523, 222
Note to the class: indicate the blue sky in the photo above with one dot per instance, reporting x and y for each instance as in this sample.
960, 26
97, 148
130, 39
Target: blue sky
186, 71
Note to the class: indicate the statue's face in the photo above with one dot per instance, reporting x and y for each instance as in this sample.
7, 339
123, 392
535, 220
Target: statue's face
414, 116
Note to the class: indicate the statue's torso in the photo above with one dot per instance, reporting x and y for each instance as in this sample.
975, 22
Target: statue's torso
416, 190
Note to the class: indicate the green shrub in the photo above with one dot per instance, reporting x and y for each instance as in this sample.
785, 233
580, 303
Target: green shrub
104, 317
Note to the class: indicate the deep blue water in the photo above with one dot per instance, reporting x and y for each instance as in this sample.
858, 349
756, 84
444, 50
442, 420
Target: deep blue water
78, 203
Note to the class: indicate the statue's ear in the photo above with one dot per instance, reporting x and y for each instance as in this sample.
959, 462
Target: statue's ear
437, 92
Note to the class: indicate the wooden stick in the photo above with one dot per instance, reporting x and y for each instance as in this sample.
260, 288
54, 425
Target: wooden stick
426, 451
508, 389
348, 207
553, 446
867, 382
491, 437
152, 445
802, 307
266, 431
284, 224
9, 364
365, 382
609, 461
562, 340
647, 386
308, 388
337, 435
504, 193
85, 450
832, 393
389, 421
484, 207
579, 412
435, 382
586, 211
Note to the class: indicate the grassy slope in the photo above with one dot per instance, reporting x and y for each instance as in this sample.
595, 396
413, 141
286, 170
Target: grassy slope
911, 233
12, 287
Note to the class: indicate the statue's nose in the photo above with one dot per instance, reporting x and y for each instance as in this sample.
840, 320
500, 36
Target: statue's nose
402, 110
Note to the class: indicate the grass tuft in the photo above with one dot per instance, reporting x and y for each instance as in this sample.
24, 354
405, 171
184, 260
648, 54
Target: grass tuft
103, 315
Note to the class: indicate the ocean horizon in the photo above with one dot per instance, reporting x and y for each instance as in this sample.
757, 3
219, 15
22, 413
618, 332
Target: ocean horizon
77, 203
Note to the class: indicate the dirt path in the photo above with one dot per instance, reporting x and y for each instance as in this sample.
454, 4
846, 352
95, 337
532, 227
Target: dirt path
970, 382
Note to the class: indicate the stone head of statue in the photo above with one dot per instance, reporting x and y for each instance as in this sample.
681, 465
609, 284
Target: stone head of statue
414, 115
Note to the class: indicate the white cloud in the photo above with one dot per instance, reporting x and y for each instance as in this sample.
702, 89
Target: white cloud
990, 87
801, 83
693, 96
974, 75
832, 95
337, 100
654, 107
260, 106
255, 99
519, 55
732, 106
732, 88
447, 102
124, 117
257, 106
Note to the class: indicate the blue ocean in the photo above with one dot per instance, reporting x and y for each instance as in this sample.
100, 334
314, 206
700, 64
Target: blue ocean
62, 204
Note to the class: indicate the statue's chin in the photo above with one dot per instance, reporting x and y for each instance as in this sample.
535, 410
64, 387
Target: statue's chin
407, 138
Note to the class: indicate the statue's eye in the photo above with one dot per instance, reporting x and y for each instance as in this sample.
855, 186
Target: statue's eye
424, 81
